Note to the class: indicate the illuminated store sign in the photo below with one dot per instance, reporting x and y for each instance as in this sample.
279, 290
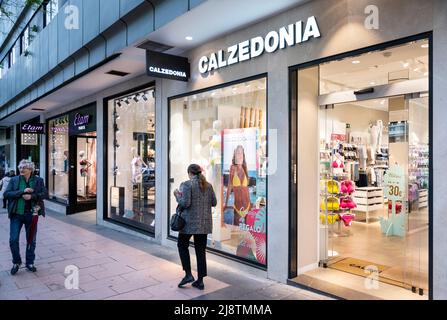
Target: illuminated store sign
162, 65
286, 37
38, 128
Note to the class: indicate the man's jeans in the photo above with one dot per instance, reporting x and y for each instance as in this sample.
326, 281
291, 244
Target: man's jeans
17, 221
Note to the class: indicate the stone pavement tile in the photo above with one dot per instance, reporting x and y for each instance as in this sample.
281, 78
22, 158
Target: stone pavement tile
12, 295
92, 270
166, 271
164, 289
133, 295
39, 289
253, 296
50, 259
276, 291
112, 269
97, 294
56, 294
228, 293
211, 285
134, 285
107, 282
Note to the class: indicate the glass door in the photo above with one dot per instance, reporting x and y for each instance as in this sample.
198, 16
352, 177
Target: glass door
83, 173
374, 187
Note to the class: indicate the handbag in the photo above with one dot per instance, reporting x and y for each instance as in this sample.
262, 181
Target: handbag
177, 221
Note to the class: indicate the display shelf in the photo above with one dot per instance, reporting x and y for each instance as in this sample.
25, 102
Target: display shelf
368, 199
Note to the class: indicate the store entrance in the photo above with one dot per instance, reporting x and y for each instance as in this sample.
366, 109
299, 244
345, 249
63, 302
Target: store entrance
83, 172
374, 188
360, 174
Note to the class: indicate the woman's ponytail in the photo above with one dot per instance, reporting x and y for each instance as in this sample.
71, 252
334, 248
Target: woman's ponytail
196, 170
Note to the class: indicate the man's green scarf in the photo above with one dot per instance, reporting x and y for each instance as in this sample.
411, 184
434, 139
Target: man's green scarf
22, 186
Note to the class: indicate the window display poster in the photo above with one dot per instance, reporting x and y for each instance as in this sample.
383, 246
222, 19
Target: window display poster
243, 206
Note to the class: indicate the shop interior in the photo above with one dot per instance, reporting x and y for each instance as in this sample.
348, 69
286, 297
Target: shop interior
372, 159
131, 159
86, 168
224, 131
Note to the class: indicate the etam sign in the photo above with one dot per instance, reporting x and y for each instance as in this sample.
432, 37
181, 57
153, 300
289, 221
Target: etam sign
287, 36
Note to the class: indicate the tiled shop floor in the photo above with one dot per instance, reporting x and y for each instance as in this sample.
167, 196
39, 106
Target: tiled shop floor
114, 265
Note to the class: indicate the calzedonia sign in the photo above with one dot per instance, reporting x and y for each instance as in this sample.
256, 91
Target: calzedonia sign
162, 65
296, 33
38, 128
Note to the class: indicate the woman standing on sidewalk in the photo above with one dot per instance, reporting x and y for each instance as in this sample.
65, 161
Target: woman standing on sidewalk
4, 184
196, 198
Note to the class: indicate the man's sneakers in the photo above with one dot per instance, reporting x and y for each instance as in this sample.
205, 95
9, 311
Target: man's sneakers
15, 268
31, 267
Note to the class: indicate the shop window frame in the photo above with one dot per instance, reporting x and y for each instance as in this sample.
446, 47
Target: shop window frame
168, 199
105, 216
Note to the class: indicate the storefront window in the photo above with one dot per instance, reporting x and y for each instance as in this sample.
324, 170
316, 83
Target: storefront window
224, 131
131, 159
58, 159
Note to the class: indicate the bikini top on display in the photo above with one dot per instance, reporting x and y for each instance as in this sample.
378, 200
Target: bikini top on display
237, 181
337, 164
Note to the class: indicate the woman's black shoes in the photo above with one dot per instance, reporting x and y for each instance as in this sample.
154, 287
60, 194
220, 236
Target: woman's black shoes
198, 284
186, 280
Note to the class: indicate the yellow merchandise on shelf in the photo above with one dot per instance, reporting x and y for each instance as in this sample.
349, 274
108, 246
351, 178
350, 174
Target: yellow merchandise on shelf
333, 204
331, 218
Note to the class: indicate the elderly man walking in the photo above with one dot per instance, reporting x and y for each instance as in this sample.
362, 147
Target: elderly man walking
25, 194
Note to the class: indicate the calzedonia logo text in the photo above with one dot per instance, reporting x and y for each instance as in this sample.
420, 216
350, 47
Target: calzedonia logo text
286, 37
168, 72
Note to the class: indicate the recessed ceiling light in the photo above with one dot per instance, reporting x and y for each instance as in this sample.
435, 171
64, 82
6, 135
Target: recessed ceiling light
416, 69
372, 83
406, 64
356, 62
425, 45
382, 102
189, 38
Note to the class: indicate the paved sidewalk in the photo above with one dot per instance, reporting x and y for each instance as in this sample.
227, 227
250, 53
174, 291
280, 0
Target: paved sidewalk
115, 265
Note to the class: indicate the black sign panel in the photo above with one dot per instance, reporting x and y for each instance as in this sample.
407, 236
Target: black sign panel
162, 65
38, 128
83, 120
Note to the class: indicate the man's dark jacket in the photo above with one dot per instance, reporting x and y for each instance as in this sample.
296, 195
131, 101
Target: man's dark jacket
13, 194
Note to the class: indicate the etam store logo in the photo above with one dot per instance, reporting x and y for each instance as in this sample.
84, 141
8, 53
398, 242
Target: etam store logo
286, 37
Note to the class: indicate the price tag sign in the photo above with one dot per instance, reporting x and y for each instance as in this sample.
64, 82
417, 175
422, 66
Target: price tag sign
395, 183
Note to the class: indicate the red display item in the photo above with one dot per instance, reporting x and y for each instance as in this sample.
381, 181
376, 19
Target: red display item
347, 186
347, 219
347, 203
398, 206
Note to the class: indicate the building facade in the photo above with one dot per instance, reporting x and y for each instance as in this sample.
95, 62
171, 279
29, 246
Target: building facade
319, 127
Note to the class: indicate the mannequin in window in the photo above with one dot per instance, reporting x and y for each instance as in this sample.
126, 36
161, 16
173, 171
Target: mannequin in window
84, 164
238, 184
376, 135
137, 167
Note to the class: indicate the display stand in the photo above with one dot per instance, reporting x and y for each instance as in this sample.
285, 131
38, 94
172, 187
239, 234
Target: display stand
368, 199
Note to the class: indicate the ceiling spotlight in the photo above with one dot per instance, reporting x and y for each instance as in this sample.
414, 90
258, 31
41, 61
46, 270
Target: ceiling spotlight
356, 62
425, 46
372, 83
135, 98
118, 103
189, 38
126, 101
406, 64
382, 102
144, 96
